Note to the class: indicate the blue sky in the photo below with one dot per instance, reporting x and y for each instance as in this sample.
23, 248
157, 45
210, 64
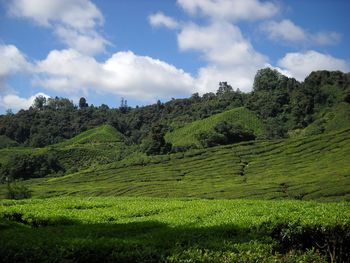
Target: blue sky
144, 50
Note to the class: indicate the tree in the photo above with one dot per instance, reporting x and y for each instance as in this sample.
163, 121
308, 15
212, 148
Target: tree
224, 88
267, 79
39, 102
82, 103
225, 133
155, 143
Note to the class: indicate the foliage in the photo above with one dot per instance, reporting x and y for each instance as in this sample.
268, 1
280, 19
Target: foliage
155, 143
16, 190
26, 166
295, 168
172, 230
225, 133
276, 99
7, 142
241, 118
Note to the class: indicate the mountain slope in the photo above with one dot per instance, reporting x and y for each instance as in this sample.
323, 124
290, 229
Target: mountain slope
99, 135
99, 145
315, 167
187, 135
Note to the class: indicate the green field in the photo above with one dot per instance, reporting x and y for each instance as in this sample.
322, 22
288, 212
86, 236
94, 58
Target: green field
115, 204
172, 230
309, 168
187, 135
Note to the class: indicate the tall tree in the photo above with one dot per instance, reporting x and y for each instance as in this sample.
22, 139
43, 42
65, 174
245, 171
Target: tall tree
82, 103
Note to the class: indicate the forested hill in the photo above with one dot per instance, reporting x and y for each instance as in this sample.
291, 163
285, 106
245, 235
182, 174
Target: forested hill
284, 106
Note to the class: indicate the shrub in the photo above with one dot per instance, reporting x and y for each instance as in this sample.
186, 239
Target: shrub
18, 191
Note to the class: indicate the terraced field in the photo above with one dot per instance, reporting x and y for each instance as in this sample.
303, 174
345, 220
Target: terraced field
187, 135
96, 146
316, 167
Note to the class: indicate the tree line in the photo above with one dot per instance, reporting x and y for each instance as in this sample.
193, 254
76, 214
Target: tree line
282, 103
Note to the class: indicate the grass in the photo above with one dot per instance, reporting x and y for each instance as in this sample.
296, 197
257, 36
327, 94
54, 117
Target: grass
308, 168
187, 135
110, 229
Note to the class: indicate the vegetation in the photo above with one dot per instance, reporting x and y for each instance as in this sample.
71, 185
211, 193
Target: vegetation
284, 140
307, 168
15, 190
6, 142
173, 230
241, 118
282, 104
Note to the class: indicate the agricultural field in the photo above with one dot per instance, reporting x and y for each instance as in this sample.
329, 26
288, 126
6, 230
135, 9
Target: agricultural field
308, 168
119, 229
187, 135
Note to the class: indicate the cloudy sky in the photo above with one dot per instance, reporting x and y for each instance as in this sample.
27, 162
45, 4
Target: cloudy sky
144, 50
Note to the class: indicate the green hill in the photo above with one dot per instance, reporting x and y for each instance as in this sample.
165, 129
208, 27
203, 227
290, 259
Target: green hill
315, 167
96, 146
187, 134
99, 135
331, 119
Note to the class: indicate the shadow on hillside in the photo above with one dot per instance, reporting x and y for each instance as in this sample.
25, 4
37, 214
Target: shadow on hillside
147, 241
63, 240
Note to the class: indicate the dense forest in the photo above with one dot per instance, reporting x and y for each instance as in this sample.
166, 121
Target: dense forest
283, 104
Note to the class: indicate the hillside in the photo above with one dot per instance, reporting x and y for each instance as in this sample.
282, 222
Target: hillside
314, 167
187, 135
330, 119
100, 135
99, 145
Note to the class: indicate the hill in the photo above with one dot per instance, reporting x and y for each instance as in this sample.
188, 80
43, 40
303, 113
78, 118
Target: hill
187, 135
314, 167
100, 135
330, 119
96, 146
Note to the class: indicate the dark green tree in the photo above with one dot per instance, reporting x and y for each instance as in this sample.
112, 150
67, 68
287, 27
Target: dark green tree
155, 143
82, 103
39, 102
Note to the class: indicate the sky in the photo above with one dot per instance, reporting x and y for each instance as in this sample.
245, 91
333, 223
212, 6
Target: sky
149, 50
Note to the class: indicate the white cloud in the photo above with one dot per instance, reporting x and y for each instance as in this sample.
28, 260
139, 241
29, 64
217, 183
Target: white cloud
124, 73
14, 102
230, 10
299, 65
326, 38
161, 20
88, 42
230, 56
75, 22
287, 31
220, 43
12, 61
80, 14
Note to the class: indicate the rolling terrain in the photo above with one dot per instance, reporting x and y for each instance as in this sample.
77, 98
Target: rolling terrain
313, 167
186, 135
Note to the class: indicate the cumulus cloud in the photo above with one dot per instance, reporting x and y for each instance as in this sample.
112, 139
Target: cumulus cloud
230, 10
75, 22
13, 62
124, 73
287, 31
14, 102
160, 20
299, 65
230, 56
